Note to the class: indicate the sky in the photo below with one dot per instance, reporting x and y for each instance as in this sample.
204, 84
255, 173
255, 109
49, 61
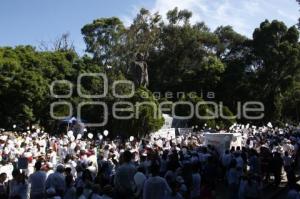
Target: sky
30, 22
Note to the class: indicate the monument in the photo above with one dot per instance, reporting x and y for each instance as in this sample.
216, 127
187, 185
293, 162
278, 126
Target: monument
138, 71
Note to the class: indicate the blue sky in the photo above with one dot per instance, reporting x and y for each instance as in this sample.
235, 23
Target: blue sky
33, 21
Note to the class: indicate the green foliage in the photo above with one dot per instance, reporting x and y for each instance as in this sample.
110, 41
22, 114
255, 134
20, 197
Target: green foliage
103, 37
276, 53
185, 59
146, 118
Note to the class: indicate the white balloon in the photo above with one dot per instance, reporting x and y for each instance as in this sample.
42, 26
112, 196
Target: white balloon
105, 132
27, 128
265, 129
131, 138
84, 130
72, 138
79, 136
90, 135
3, 137
38, 130
70, 133
100, 137
270, 125
73, 145
14, 126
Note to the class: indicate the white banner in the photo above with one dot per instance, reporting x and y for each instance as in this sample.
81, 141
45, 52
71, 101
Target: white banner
164, 133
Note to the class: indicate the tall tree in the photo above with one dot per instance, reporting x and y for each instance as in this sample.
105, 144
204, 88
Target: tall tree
276, 61
185, 59
103, 38
143, 33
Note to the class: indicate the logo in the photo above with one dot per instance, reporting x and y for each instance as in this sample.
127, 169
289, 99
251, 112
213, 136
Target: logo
125, 110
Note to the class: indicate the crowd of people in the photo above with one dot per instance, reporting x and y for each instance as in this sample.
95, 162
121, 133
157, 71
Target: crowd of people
39, 165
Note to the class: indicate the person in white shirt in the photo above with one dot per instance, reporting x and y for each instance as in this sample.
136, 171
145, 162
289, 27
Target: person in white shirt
49, 169
37, 182
53, 157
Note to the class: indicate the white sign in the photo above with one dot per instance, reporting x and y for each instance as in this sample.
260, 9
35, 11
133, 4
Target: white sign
164, 133
168, 121
223, 141
185, 131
